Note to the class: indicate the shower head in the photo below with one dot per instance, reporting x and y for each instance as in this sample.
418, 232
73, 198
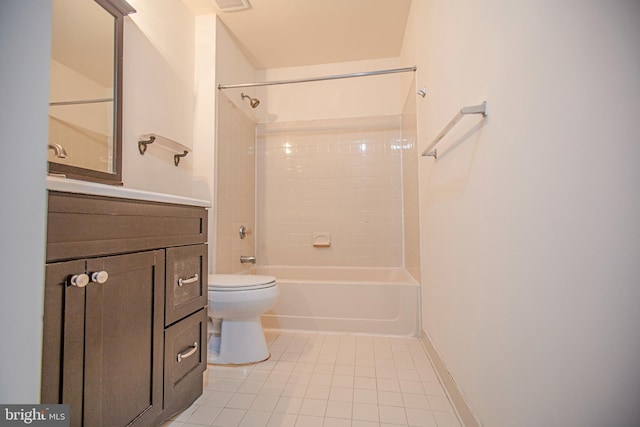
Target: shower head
254, 102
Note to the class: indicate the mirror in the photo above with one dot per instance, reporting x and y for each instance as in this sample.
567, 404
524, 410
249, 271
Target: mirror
85, 108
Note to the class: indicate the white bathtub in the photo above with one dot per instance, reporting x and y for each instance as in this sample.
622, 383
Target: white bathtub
344, 299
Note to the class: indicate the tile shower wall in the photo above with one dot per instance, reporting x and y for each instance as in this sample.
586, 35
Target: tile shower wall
341, 177
235, 199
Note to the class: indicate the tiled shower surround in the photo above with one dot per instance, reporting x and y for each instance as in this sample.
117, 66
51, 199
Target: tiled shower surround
235, 205
341, 177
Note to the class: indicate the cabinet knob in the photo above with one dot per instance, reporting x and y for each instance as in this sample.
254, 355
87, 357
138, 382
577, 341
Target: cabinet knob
79, 280
100, 276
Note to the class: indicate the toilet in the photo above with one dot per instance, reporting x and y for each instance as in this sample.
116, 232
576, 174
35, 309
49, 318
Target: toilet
236, 302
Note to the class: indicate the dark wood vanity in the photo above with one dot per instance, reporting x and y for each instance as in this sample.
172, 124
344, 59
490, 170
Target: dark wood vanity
125, 308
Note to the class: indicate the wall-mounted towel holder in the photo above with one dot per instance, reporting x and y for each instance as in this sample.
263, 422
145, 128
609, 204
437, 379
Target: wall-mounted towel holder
150, 138
473, 109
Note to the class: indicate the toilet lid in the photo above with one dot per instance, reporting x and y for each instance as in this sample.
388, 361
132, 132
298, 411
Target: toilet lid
239, 282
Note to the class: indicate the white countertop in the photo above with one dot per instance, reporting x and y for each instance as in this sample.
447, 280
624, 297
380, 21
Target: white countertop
84, 187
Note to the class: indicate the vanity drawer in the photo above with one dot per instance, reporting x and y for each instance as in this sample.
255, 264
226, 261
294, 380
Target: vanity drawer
186, 282
185, 359
81, 226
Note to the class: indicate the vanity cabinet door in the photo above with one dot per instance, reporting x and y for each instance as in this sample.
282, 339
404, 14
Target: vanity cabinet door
63, 338
124, 340
103, 339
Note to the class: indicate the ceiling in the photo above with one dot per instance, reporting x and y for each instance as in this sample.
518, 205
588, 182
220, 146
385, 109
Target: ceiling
289, 33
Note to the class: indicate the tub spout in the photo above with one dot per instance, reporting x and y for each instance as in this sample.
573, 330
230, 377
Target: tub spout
247, 259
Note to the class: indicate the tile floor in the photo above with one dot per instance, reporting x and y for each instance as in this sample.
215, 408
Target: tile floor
325, 380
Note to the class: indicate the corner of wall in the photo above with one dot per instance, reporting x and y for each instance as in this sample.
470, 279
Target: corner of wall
24, 84
463, 411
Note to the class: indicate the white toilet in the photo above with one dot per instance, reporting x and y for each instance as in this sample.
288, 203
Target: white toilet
236, 302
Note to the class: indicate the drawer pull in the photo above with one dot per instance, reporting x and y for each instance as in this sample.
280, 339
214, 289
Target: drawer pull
189, 352
187, 281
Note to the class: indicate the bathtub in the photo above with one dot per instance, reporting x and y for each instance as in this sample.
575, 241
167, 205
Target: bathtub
343, 299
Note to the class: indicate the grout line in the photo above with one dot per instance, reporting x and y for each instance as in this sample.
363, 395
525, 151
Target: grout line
348, 351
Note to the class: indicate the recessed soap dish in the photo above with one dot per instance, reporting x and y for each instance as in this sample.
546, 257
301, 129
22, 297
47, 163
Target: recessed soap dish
321, 239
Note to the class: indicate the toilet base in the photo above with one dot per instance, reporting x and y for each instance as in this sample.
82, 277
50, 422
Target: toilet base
213, 361
242, 341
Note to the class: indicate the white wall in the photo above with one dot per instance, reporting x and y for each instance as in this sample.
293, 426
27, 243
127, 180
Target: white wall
232, 66
159, 94
204, 128
333, 99
530, 222
24, 84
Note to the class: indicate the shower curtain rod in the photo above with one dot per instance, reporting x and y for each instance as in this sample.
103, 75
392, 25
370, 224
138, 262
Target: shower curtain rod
317, 79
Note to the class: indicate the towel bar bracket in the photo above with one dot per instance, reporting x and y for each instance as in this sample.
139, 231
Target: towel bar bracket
473, 109
177, 157
142, 145
476, 109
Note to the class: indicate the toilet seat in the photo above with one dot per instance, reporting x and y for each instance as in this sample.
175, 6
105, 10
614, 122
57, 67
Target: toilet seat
239, 282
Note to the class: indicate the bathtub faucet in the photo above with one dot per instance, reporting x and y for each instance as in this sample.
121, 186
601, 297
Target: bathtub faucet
246, 259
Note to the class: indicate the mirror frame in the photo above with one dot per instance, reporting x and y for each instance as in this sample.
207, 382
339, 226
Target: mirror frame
118, 9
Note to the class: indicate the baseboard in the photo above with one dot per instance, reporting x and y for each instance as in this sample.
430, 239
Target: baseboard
463, 411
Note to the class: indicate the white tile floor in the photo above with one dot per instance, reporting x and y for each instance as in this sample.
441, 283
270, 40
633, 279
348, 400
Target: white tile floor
325, 380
